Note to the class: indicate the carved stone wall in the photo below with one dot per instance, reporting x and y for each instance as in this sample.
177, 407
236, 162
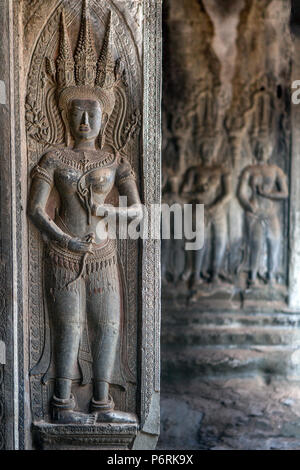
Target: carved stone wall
227, 122
42, 134
7, 269
31, 125
230, 360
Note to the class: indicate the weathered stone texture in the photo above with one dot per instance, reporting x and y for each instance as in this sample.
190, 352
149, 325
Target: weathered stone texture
232, 414
30, 126
227, 123
230, 335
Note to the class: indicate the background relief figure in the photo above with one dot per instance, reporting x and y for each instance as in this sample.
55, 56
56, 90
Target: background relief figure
261, 186
208, 184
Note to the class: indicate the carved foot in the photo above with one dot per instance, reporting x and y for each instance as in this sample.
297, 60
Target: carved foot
186, 275
271, 279
197, 283
194, 298
226, 277
105, 413
216, 281
63, 404
102, 406
253, 283
73, 417
62, 412
115, 416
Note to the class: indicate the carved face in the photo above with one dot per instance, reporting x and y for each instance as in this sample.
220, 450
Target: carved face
85, 118
206, 153
262, 152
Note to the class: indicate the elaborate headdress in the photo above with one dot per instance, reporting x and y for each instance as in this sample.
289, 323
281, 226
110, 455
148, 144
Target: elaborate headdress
83, 76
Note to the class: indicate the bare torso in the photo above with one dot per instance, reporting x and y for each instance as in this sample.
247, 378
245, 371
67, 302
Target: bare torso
93, 172
262, 178
205, 184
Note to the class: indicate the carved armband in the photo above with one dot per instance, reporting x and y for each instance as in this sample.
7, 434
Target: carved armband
39, 172
125, 173
125, 178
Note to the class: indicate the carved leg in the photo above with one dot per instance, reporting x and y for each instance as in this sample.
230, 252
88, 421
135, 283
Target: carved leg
101, 391
193, 261
256, 243
273, 243
165, 261
219, 239
66, 312
63, 388
66, 322
199, 256
188, 269
103, 314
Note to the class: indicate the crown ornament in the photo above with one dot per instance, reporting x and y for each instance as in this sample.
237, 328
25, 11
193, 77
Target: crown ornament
106, 64
65, 61
82, 74
85, 54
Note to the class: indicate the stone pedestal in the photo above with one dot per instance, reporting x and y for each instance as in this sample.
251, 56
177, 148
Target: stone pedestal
70, 437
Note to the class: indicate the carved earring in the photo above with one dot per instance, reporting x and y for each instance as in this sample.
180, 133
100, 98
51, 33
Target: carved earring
67, 128
101, 136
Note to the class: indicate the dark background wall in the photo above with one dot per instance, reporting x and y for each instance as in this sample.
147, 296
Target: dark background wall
229, 347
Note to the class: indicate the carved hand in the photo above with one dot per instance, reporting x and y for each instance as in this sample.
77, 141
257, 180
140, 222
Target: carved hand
106, 210
249, 207
135, 212
215, 208
262, 192
208, 213
80, 246
103, 210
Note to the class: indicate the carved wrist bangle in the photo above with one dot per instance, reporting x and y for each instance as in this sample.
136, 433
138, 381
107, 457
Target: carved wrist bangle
64, 242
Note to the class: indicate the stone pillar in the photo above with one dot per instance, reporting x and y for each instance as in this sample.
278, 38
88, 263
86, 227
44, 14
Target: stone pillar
126, 38
9, 268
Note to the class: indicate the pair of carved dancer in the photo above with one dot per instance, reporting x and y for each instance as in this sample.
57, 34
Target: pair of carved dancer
83, 284
208, 184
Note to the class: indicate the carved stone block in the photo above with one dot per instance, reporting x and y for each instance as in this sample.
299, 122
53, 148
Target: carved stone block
79, 315
227, 145
70, 437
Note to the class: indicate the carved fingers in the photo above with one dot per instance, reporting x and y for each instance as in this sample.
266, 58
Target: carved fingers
135, 212
80, 246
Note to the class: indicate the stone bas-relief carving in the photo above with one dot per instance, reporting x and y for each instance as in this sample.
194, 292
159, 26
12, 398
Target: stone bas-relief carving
172, 249
210, 185
83, 114
82, 272
256, 109
266, 184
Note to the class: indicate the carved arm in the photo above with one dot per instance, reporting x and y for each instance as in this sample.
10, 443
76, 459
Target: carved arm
39, 193
242, 191
283, 191
186, 189
226, 194
125, 181
41, 186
